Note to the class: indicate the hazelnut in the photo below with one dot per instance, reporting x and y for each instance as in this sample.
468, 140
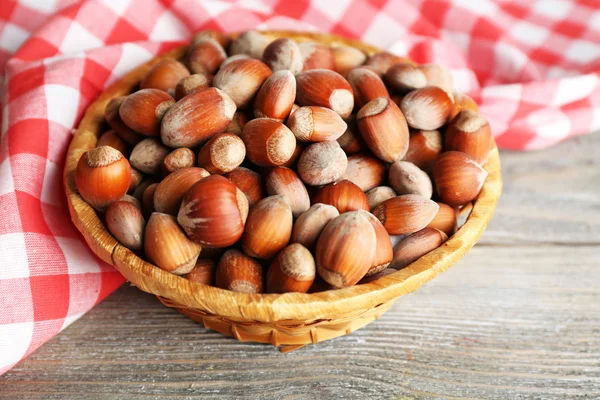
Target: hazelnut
148, 155
406, 214
148, 198
164, 75
169, 193
102, 176
383, 249
470, 133
241, 80
293, 270
364, 171
407, 178
113, 118
220, 37
445, 220
239, 273
125, 221
283, 54
438, 76
423, 149
379, 194
351, 141
191, 84
346, 249
268, 228
203, 272
458, 178
249, 182
237, 123
383, 60
462, 102
427, 108
384, 129
110, 138
343, 195
311, 223
316, 56
178, 159
405, 77
415, 246
223, 153
284, 182
167, 246
346, 58
276, 96
144, 110
322, 163
205, 56
251, 43
325, 88
367, 86
197, 117
316, 124
211, 213
268, 142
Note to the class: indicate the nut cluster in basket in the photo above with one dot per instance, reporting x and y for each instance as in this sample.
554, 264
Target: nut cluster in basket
261, 165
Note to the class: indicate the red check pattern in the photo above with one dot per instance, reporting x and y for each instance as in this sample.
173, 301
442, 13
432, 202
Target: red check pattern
533, 66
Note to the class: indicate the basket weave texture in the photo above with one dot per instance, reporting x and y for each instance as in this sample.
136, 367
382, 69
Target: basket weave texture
289, 320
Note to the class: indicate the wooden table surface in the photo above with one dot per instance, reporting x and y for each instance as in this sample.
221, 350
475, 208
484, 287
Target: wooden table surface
517, 318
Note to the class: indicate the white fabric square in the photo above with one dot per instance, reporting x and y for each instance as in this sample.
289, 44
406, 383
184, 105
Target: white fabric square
79, 258
383, 30
12, 37
6, 179
459, 39
168, 27
505, 92
62, 103
464, 80
46, 6
482, 7
118, 6
78, 38
132, 55
52, 175
14, 341
509, 61
574, 88
594, 22
13, 262
550, 124
528, 33
555, 9
333, 9
583, 52
256, 5
398, 48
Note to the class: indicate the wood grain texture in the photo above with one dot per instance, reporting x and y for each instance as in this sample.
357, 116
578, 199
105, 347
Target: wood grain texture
509, 321
289, 319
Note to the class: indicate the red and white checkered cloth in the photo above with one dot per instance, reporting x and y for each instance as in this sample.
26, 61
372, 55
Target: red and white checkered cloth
533, 66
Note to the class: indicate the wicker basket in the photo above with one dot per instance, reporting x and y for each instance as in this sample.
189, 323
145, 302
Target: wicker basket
290, 320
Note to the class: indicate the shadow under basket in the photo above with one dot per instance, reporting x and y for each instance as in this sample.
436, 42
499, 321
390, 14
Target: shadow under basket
289, 320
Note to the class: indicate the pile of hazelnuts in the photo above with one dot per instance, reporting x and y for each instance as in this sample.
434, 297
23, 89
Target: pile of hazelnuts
260, 165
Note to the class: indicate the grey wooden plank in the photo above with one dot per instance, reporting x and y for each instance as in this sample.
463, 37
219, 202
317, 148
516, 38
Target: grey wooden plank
499, 324
550, 196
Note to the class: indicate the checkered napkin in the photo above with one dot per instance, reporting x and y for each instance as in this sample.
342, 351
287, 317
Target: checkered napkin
532, 65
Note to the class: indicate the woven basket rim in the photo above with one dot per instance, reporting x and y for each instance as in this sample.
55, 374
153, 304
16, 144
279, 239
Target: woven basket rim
263, 307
